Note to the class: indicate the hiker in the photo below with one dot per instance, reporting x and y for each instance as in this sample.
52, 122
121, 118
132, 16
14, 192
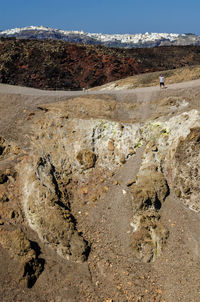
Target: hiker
162, 84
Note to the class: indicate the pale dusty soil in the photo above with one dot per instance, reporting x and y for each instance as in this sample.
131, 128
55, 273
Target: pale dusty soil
16, 101
111, 273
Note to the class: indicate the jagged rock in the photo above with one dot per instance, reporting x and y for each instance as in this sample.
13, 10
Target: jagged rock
148, 240
149, 236
25, 252
187, 169
7, 147
86, 158
149, 191
2, 146
48, 211
3, 177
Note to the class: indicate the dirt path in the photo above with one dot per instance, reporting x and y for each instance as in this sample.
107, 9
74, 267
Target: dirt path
16, 102
145, 91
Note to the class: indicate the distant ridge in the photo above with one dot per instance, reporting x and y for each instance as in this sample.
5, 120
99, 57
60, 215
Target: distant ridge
110, 40
59, 65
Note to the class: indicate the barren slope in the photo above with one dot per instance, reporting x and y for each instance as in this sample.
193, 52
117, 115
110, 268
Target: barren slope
59, 65
174, 76
99, 194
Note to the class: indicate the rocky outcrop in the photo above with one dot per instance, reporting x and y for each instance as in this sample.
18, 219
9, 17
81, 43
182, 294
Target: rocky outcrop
25, 253
59, 191
47, 209
70, 157
149, 193
187, 163
60, 65
97, 147
170, 159
174, 145
8, 148
86, 158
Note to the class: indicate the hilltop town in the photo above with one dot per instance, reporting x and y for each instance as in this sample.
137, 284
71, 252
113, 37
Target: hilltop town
113, 40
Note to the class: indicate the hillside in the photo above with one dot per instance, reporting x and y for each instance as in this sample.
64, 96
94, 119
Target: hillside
59, 65
109, 40
149, 79
99, 194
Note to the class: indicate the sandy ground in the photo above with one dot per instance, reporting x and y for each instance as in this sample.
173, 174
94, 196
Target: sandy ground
111, 271
4, 88
16, 101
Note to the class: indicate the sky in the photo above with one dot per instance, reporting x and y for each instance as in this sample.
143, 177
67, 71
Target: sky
104, 16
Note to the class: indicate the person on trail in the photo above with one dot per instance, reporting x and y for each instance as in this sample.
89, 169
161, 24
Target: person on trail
162, 80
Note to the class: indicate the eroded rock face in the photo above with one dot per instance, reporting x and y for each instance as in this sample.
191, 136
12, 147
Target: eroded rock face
149, 193
150, 190
7, 147
149, 239
25, 253
63, 174
2, 146
48, 210
72, 156
69, 160
187, 170
3, 177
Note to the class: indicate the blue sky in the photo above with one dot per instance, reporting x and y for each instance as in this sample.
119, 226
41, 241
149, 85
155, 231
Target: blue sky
111, 16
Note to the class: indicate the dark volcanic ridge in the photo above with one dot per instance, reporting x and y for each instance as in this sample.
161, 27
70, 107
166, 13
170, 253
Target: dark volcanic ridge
60, 65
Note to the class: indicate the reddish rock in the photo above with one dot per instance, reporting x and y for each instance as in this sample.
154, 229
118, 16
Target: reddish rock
61, 65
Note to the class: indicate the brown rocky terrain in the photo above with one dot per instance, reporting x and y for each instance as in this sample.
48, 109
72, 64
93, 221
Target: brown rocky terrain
183, 74
51, 64
99, 194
